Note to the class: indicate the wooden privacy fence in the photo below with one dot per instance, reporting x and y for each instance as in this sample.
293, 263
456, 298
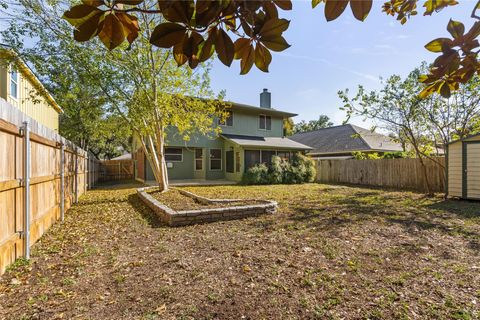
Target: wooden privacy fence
41, 175
403, 174
115, 170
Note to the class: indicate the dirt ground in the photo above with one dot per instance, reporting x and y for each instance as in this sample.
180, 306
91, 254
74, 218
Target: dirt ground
330, 252
179, 202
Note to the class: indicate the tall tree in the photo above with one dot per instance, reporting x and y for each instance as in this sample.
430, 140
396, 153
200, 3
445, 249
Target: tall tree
323, 121
197, 29
140, 83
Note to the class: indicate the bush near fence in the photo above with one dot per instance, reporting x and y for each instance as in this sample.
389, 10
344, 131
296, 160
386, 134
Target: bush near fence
402, 174
81, 171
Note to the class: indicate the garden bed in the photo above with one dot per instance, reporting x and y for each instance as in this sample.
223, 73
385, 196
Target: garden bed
178, 207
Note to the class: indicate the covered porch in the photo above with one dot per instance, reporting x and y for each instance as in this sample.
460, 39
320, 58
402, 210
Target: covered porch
194, 182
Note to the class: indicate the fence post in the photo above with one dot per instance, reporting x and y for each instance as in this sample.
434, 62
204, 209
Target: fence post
76, 175
62, 182
26, 185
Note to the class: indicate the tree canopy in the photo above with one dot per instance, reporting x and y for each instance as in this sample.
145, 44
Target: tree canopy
250, 30
323, 121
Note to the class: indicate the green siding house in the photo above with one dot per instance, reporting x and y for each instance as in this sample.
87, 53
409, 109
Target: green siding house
249, 136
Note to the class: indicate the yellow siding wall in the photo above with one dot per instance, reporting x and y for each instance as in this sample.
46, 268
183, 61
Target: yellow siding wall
29, 100
455, 169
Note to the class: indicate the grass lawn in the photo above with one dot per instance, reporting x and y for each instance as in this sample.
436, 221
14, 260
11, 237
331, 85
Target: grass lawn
330, 252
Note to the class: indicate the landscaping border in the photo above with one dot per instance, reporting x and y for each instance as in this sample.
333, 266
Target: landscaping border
181, 218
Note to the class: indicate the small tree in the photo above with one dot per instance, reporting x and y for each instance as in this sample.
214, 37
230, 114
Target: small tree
421, 124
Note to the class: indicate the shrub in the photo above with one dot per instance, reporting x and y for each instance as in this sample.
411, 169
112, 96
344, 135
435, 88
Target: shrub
257, 174
300, 170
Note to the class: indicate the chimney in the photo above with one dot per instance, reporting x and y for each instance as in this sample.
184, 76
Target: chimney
265, 99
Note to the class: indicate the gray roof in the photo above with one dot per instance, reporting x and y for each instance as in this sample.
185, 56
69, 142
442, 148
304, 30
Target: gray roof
260, 110
265, 142
344, 139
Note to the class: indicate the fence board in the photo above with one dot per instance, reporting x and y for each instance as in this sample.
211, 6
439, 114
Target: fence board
45, 150
404, 174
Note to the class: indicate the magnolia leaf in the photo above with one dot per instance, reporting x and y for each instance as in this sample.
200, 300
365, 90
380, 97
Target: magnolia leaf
437, 45
445, 90
334, 8
275, 43
77, 15
178, 55
240, 45
274, 27
455, 28
130, 25
315, 3
262, 57
129, 2
224, 47
248, 58
167, 34
283, 4
361, 8
190, 44
437, 5
271, 11
89, 29
179, 11
93, 3
112, 33
206, 48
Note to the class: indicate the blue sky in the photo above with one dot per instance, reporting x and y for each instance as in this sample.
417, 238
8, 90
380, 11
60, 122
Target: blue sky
327, 57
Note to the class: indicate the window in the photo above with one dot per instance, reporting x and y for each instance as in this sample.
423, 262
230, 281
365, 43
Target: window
173, 154
285, 155
228, 121
237, 161
252, 157
215, 159
14, 83
267, 156
265, 122
198, 159
229, 166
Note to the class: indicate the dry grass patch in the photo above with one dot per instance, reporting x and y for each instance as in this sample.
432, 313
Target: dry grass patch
330, 252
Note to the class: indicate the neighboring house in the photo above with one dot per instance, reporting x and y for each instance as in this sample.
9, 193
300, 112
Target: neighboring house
340, 142
21, 88
250, 135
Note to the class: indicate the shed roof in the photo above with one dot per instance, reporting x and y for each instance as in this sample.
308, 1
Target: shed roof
472, 136
346, 138
266, 142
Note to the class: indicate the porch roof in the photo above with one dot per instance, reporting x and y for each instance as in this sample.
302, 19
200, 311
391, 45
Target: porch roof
267, 142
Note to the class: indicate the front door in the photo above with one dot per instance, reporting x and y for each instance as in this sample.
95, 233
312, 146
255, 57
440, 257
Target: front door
199, 163
472, 170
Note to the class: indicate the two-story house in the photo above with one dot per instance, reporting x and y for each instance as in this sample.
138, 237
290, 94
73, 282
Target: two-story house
250, 135
21, 88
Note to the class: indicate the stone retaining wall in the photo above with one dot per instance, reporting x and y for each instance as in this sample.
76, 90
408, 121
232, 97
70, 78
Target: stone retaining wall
181, 218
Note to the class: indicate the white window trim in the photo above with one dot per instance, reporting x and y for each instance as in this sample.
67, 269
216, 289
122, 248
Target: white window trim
226, 125
262, 114
16, 82
210, 159
172, 154
196, 159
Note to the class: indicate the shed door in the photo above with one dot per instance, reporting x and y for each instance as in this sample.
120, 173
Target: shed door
473, 170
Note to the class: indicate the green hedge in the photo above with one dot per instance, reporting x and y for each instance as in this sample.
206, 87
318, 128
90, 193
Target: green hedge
300, 169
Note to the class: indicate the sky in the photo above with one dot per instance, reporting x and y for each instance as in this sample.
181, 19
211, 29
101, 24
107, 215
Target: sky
327, 57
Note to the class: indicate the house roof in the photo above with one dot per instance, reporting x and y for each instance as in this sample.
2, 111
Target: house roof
265, 142
259, 110
7, 52
345, 138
